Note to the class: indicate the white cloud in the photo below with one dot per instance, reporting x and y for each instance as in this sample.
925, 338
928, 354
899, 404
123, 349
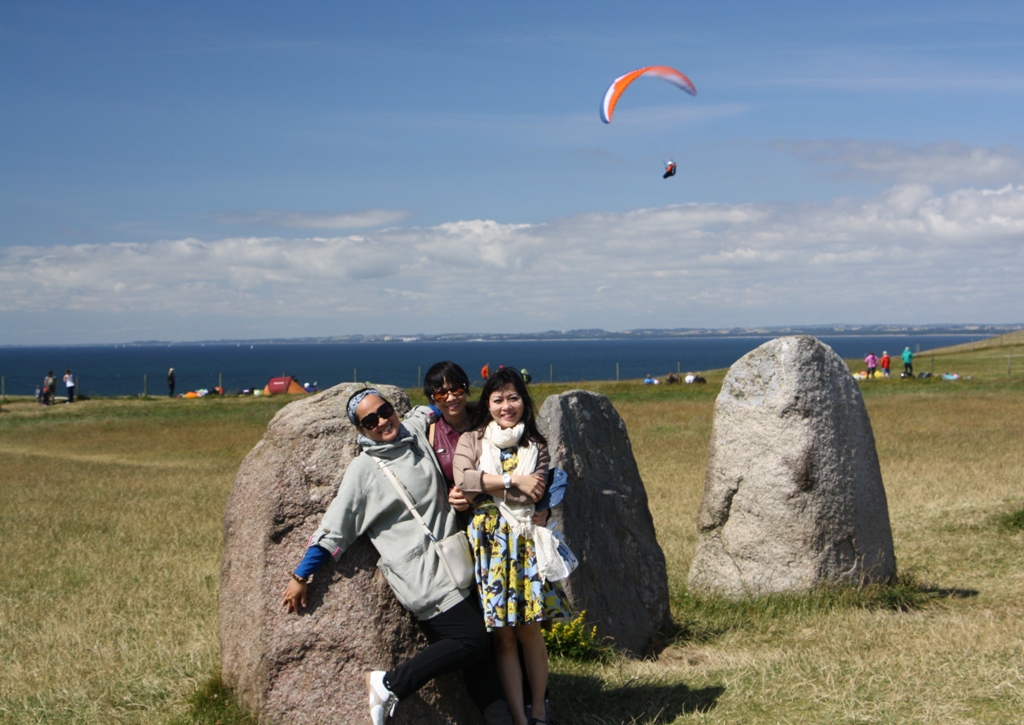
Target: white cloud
308, 220
907, 254
944, 163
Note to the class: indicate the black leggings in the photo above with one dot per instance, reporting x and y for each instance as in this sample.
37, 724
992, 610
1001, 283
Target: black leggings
458, 640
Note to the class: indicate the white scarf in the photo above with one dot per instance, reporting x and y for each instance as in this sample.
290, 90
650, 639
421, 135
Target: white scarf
518, 515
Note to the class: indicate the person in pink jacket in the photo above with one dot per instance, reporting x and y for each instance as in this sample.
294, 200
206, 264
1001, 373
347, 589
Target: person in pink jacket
871, 362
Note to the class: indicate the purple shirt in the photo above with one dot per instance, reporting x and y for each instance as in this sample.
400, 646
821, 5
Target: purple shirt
445, 440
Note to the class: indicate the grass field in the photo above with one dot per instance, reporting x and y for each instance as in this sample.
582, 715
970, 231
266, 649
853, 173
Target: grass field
110, 523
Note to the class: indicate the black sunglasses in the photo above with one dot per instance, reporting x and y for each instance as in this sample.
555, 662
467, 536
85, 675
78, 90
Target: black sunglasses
372, 420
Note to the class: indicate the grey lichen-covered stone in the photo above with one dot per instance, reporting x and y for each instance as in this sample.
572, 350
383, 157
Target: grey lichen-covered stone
793, 493
621, 582
309, 668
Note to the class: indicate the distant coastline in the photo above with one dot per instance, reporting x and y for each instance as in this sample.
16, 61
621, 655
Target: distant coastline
132, 369
979, 330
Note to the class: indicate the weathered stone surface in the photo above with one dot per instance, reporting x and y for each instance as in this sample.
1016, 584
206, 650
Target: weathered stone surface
621, 582
793, 493
309, 668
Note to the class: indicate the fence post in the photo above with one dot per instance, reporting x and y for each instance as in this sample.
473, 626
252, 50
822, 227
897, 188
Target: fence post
3, 388
616, 372
145, 389
355, 375
551, 373
220, 380
419, 375
1009, 363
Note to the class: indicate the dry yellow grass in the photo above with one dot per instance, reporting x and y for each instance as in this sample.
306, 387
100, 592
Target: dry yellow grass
109, 517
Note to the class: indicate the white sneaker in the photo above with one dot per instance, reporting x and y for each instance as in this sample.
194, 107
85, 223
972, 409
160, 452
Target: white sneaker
382, 700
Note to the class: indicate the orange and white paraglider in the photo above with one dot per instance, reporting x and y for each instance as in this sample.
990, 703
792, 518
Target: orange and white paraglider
620, 84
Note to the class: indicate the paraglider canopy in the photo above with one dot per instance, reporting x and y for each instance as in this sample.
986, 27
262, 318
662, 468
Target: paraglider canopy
619, 85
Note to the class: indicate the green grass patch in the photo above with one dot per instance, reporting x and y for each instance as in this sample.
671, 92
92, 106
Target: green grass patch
213, 704
1013, 521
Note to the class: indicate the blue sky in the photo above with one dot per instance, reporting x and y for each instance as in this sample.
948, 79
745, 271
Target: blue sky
183, 171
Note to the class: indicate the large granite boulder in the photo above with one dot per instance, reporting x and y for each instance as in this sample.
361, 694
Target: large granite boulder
309, 668
793, 493
621, 582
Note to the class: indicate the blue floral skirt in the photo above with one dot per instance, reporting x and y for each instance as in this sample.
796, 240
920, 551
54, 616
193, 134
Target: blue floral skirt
511, 590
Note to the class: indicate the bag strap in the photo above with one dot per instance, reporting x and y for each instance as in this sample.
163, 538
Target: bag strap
404, 495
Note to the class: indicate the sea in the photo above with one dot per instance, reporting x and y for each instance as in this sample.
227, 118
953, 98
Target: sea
138, 369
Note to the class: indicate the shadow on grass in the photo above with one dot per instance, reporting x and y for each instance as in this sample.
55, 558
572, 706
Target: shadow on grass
579, 699
214, 704
700, 619
941, 593
585, 700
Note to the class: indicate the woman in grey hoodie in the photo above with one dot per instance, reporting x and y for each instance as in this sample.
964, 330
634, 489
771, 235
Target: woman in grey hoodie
367, 503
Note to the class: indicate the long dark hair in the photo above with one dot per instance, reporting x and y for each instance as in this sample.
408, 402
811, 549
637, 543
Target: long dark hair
498, 380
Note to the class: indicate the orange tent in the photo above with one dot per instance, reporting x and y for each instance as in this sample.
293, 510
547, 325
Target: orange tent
288, 385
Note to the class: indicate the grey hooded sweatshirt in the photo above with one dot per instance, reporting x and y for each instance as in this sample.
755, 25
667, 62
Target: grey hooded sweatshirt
368, 504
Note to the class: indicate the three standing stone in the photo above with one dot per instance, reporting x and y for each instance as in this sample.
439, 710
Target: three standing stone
793, 497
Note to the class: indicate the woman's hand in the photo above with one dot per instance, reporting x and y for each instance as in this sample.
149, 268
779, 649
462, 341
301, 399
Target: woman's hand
540, 518
532, 485
458, 499
295, 596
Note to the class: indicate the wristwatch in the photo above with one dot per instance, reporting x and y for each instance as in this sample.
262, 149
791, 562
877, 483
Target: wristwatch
507, 480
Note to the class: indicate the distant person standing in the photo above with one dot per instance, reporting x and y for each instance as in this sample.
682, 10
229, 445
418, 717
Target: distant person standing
886, 362
908, 362
871, 363
49, 387
170, 383
69, 383
485, 372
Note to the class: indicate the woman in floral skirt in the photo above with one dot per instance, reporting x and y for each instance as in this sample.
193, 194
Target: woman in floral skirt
501, 464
